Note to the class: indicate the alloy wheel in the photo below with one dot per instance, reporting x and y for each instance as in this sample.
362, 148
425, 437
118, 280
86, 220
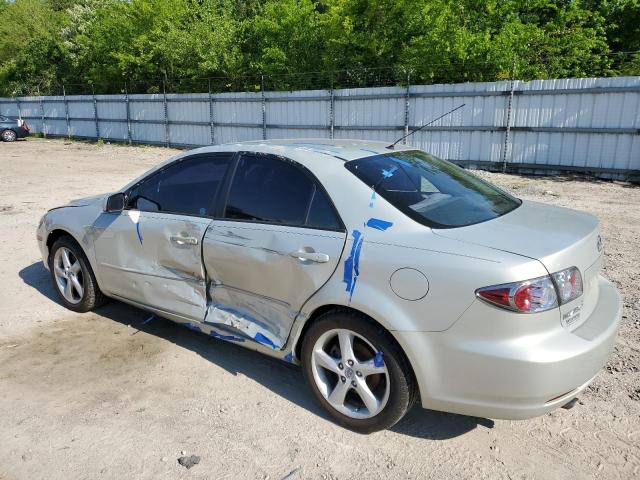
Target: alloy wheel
350, 373
68, 274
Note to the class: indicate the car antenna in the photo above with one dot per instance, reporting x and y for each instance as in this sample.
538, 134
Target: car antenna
392, 146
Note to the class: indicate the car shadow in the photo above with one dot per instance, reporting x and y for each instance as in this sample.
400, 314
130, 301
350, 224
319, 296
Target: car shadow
281, 378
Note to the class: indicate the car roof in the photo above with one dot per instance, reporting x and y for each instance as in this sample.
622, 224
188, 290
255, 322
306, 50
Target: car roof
305, 149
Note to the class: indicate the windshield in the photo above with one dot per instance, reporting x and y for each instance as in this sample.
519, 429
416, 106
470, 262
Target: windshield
432, 191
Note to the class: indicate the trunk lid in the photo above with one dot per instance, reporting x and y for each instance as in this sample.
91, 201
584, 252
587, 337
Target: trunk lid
558, 237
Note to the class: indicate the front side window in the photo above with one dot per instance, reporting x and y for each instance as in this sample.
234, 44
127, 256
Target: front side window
187, 187
271, 190
432, 191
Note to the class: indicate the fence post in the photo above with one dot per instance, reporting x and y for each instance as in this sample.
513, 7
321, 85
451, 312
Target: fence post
95, 112
66, 111
128, 110
166, 115
406, 109
507, 132
264, 109
44, 127
211, 116
331, 110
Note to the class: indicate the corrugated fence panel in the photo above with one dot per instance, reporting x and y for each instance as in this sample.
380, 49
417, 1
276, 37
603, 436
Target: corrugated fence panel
584, 123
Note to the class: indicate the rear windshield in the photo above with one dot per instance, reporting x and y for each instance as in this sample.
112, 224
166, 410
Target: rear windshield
432, 191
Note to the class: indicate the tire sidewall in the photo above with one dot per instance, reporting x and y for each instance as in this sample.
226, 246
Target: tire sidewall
86, 303
400, 396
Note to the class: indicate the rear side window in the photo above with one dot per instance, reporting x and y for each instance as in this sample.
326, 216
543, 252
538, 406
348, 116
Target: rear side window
187, 187
432, 191
271, 190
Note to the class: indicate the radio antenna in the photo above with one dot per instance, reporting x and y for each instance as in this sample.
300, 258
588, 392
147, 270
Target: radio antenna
392, 146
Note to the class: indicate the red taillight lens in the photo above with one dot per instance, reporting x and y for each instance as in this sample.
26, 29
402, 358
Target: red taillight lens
530, 296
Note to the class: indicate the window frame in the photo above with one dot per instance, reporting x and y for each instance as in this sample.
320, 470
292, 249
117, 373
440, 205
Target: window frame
232, 158
220, 215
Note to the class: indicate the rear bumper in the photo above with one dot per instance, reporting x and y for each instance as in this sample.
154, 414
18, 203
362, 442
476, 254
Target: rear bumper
22, 133
512, 377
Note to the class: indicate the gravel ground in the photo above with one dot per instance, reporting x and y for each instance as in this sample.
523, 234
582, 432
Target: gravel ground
101, 395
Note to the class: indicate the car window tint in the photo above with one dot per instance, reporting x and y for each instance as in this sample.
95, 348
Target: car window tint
187, 187
268, 189
321, 213
432, 191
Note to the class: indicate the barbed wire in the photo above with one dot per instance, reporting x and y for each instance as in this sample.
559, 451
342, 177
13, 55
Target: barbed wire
454, 71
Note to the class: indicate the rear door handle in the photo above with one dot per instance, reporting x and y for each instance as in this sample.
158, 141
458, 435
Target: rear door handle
184, 240
310, 256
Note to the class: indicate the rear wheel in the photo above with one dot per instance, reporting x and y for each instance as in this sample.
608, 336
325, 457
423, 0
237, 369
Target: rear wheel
9, 136
73, 277
356, 372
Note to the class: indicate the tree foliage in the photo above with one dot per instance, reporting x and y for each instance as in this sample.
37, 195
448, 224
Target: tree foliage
195, 45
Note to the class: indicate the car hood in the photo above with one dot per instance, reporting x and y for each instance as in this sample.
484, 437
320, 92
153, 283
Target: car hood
83, 202
558, 237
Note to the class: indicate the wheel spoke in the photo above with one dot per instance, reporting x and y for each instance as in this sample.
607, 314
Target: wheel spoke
338, 394
324, 360
367, 396
59, 272
68, 294
75, 267
76, 284
65, 258
369, 368
346, 345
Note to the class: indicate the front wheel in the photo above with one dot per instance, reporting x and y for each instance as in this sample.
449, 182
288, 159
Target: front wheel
72, 276
356, 372
9, 136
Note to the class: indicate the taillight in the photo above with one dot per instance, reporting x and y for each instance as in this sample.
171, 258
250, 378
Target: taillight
530, 296
536, 295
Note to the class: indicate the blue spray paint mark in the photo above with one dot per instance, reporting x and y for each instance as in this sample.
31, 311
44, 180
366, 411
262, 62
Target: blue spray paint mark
389, 173
378, 361
193, 327
260, 338
378, 224
373, 199
139, 234
150, 319
227, 338
289, 357
352, 263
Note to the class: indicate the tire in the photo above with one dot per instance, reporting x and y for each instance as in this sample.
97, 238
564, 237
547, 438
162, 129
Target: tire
91, 296
9, 136
373, 350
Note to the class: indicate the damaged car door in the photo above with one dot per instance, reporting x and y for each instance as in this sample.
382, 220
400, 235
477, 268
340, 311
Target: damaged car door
279, 240
150, 253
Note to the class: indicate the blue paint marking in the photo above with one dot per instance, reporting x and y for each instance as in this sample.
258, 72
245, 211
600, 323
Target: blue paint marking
389, 173
227, 338
289, 357
260, 338
193, 327
373, 199
378, 224
378, 361
150, 319
352, 263
138, 230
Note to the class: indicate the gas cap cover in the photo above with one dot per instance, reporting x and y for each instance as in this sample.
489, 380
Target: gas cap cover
409, 284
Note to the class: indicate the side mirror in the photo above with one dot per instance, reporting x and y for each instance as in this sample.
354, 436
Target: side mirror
115, 203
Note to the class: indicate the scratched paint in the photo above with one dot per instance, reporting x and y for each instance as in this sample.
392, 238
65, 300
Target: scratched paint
244, 324
378, 224
373, 198
352, 263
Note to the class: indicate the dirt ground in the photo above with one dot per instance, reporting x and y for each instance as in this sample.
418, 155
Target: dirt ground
104, 396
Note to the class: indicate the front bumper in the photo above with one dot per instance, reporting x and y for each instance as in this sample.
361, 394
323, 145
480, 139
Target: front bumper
512, 376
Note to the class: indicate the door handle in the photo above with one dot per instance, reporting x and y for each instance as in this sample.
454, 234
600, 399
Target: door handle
184, 240
310, 256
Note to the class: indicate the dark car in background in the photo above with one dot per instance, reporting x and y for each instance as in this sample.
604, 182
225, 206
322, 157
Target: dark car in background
12, 129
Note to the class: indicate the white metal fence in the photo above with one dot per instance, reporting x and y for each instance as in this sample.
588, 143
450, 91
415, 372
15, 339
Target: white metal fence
586, 124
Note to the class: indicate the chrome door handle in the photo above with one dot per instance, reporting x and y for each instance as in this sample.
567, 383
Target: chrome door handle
310, 256
184, 240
